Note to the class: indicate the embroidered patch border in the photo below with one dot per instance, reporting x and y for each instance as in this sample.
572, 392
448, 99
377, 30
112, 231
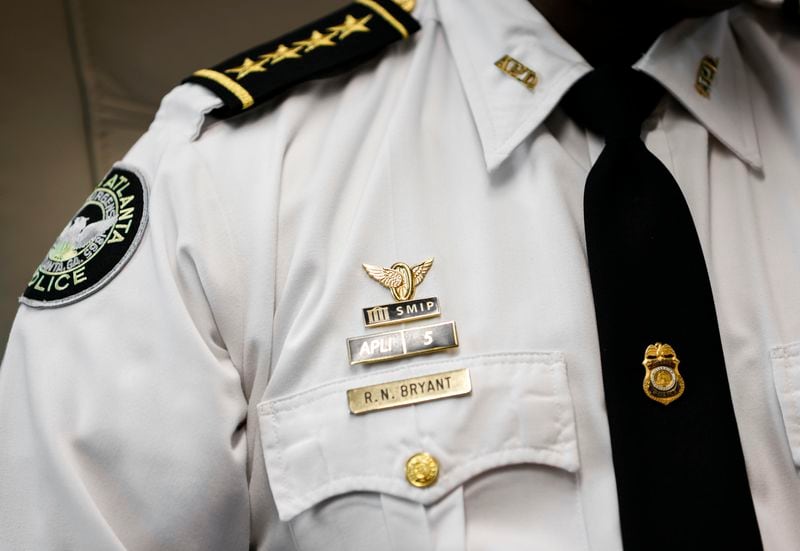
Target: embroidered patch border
96, 244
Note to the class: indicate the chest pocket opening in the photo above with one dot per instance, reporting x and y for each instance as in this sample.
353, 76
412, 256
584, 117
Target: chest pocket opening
519, 412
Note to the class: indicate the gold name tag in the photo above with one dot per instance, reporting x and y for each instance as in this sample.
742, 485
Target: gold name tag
404, 392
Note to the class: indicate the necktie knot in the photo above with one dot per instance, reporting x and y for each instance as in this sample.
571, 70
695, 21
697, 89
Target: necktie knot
613, 101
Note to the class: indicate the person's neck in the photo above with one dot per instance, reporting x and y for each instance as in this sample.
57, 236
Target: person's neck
604, 35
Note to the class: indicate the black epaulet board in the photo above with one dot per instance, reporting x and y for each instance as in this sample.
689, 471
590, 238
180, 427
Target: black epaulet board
328, 46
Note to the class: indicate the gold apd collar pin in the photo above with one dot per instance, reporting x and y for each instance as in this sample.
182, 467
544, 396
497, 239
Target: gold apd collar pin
662, 380
706, 71
518, 71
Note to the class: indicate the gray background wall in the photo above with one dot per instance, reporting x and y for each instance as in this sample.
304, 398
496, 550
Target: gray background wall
81, 81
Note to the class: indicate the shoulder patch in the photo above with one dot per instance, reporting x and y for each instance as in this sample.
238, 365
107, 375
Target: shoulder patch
323, 48
95, 244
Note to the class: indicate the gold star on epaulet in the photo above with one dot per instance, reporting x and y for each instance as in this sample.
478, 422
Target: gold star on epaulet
350, 35
316, 40
248, 66
351, 25
282, 52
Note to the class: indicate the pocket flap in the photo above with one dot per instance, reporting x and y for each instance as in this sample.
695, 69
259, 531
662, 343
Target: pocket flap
786, 373
519, 411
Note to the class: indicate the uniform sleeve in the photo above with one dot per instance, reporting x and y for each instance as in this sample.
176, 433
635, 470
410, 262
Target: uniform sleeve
122, 414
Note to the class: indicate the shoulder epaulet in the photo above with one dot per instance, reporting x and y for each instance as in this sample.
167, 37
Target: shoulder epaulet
323, 48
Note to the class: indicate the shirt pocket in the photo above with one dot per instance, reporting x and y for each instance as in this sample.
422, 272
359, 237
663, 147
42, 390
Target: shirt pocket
339, 478
786, 374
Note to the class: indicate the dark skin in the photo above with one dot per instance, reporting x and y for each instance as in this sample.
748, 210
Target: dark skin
620, 31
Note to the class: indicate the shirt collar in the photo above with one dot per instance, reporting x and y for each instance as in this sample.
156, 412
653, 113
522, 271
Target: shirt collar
505, 111
727, 111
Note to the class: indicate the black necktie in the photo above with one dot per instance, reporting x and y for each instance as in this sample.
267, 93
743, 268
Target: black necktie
680, 472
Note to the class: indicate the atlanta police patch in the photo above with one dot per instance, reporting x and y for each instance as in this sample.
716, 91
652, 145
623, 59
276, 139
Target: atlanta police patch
96, 243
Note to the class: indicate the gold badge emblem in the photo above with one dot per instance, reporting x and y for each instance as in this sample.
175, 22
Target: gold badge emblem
401, 278
662, 380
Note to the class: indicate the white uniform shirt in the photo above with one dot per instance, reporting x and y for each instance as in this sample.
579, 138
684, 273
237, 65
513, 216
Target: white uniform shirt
197, 401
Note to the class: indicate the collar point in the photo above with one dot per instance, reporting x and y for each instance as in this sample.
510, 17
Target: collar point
493, 161
753, 160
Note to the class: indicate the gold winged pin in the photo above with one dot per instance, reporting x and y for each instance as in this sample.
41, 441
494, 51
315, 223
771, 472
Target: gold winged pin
401, 278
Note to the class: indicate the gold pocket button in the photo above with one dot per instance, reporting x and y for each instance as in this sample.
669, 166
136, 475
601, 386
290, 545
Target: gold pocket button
422, 470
